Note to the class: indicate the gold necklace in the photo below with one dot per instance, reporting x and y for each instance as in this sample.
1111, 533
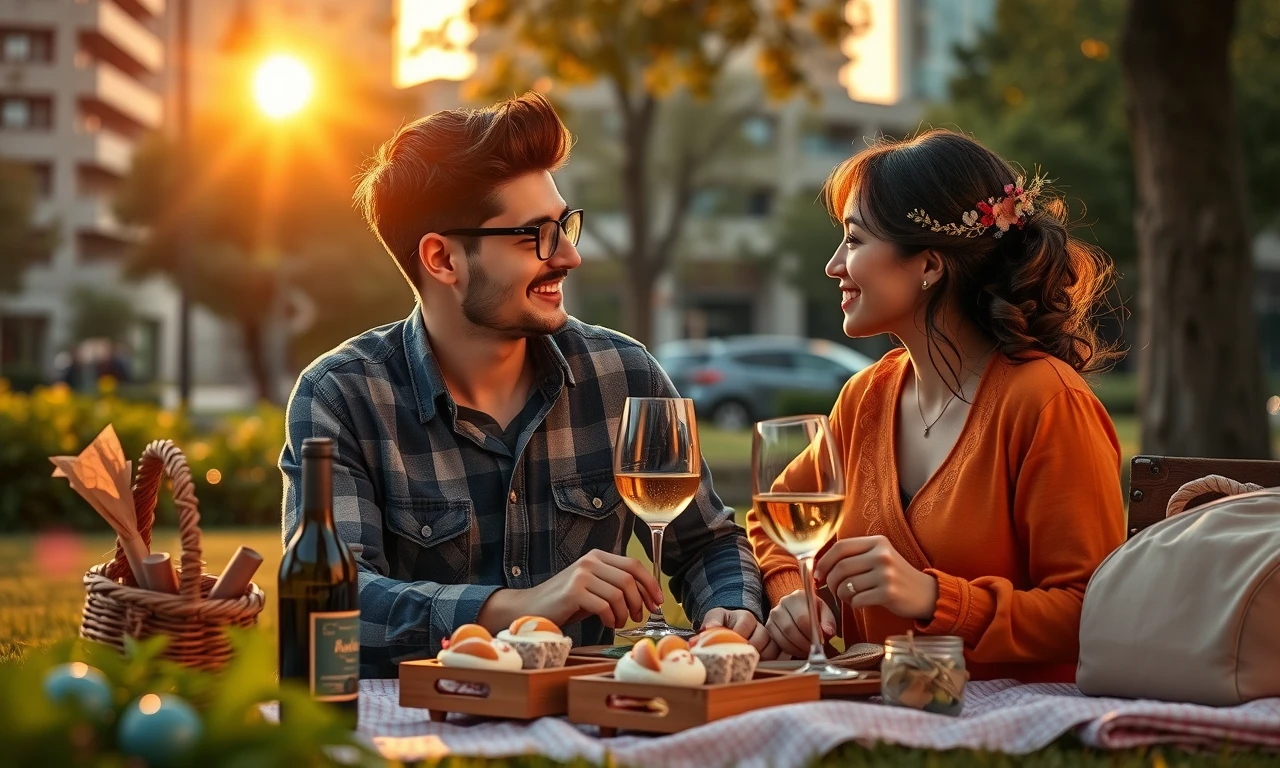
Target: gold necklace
928, 425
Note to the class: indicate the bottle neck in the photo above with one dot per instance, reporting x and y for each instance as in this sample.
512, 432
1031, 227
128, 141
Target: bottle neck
317, 490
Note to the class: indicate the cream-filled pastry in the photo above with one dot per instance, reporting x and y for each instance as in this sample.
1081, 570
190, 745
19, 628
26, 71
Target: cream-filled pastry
472, 647
539, 642
666, 663
727, 656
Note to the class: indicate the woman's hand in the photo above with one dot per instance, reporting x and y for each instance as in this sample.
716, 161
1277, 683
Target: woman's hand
788, 627
867, 570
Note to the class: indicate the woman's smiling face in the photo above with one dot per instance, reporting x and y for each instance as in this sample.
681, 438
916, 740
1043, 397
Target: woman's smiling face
880, 290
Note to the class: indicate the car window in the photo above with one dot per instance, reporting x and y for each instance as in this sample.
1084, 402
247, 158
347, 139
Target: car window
807, 363
766, 359
681, 361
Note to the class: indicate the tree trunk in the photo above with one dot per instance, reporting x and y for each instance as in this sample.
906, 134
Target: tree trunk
253, 331
1200, 368
638, 301
640, 261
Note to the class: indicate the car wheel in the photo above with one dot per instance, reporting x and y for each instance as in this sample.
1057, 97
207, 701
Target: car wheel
732, 415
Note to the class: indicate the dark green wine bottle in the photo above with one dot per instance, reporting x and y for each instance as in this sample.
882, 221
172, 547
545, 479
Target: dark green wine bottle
319, 594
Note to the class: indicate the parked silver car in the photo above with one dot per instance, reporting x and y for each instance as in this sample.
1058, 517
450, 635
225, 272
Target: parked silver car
738, 380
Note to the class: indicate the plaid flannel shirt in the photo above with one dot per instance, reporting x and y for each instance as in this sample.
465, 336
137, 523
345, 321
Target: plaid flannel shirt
402, 498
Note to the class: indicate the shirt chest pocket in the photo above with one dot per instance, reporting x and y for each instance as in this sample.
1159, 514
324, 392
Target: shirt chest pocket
589, 515
436, 537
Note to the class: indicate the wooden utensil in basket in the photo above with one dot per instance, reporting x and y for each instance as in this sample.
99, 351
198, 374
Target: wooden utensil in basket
194, 624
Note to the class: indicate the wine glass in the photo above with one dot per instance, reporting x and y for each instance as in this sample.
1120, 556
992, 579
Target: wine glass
797, 490
657, 466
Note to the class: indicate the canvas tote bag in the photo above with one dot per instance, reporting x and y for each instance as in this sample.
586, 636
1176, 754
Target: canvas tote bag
1188, 610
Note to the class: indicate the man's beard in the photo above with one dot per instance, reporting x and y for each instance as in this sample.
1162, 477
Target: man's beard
485, 301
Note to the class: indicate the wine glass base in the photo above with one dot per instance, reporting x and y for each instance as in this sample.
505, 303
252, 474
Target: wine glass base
826, 671
655, 631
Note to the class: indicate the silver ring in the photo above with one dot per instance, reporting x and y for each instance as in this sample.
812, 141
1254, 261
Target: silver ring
848, 585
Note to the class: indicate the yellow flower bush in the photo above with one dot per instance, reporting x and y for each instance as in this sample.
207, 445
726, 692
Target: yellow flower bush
242, 448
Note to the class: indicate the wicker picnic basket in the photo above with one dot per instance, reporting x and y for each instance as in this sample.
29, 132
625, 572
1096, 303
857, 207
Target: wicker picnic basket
116, 608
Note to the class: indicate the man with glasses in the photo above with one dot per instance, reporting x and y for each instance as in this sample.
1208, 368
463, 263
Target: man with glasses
473, 472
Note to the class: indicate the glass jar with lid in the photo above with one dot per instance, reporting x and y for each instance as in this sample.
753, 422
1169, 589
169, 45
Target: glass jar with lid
924, 672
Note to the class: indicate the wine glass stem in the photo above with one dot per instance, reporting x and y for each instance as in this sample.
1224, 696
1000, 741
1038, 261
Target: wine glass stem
655, 616
816, 654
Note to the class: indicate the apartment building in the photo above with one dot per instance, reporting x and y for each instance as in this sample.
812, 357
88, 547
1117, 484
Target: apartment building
82, 82
78, 88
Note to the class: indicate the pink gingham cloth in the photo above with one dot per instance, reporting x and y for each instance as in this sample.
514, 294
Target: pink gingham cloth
1001, 716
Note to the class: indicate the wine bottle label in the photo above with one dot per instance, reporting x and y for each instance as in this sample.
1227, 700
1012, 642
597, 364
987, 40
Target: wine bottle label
335, 655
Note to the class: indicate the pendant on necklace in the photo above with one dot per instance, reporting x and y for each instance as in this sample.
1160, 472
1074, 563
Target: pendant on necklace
926, 431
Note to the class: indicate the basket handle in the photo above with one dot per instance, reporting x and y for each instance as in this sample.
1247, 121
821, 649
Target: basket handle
164, 459
1209, 484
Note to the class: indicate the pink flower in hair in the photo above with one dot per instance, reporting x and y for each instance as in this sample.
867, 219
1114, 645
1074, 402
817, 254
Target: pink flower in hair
1005, 213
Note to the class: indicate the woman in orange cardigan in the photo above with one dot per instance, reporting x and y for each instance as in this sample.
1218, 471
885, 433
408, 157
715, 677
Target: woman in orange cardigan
982, 475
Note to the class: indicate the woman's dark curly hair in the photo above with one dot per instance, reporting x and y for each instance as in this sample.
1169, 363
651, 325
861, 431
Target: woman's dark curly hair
1035, 291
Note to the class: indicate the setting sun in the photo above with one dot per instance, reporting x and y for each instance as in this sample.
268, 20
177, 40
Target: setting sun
282, 86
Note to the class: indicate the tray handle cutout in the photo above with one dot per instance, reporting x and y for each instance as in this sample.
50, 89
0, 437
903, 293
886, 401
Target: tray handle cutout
462, 688
655, 706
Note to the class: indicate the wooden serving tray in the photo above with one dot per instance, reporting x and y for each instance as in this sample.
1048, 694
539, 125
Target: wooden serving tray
863, 687
522, 694
599, 699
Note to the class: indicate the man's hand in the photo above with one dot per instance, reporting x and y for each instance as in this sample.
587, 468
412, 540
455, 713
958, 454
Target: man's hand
741, 621
788, 627
601, 584
867, 570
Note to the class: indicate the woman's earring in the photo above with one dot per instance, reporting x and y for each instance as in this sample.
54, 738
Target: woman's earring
924, 286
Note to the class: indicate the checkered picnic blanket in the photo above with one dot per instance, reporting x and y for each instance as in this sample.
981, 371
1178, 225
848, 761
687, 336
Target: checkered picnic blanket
1001, 715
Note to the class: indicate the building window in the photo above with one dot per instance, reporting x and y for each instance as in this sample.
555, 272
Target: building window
834, 139
24, 46
22, 348
709, 201
43, 175
145, 365
724, 200
17, 47
25, 113
760, 131
93, 247
760, 202
92, 181
17, 113
711, 318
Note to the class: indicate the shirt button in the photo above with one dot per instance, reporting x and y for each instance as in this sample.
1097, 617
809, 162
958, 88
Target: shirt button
597, 503
515, 570
426, 531
513, 497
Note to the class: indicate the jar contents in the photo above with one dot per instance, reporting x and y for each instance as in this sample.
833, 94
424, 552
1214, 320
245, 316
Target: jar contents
925, 673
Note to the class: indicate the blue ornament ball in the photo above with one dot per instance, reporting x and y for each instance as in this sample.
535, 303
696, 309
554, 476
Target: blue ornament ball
160, 729
80, 685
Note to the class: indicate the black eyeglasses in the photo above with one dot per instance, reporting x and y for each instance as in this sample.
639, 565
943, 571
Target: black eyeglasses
547, 233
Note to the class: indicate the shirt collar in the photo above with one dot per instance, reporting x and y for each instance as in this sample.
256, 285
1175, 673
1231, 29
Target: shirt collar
428, 382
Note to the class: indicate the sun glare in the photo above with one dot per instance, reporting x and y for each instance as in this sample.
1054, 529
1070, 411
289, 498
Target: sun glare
282, 86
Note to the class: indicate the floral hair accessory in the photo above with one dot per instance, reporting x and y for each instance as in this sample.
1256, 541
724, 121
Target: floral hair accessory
1010, 210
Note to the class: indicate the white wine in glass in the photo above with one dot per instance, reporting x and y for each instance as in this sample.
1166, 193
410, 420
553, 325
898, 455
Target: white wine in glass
799, 522
797, 494
657, 497
657, 466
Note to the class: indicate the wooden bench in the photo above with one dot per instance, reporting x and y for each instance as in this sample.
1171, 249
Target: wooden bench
1153, 479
